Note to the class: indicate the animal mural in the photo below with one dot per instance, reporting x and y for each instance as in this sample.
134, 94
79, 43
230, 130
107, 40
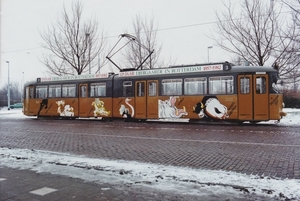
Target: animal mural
99, 108
167, 108
211, 108
124, 111
63, 109
43, 105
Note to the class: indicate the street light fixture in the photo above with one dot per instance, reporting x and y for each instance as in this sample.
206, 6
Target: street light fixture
209, 47
8, 88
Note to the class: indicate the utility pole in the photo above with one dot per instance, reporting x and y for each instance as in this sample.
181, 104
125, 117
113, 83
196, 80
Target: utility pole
209, 47
88, 40
22, 88
8, 87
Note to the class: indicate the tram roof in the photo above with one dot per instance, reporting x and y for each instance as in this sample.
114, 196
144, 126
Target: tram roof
184, 70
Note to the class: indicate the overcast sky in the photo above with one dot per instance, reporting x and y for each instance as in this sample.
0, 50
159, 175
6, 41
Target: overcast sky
183, 30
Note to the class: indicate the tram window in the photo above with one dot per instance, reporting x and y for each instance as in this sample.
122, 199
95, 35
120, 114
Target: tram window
54, 91
31, 92
195, 86
140, 89
26, 92
214, 85
245, 85
261, 85
41, 91
221, 85
276, 83
152, 88
171, 87
98, 89
127, 89
68, 90
82, 91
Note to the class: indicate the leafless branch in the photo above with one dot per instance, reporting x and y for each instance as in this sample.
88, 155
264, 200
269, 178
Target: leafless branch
144, 30
74, 43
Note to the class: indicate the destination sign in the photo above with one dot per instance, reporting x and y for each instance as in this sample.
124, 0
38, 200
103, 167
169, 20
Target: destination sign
158, 71
74, 77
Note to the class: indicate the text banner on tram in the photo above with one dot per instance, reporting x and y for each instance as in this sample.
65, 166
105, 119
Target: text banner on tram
191, 69
74, 77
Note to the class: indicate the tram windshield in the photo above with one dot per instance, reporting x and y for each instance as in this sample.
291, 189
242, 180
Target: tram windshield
276, 84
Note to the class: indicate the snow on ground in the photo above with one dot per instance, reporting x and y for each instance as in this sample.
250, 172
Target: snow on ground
160, 177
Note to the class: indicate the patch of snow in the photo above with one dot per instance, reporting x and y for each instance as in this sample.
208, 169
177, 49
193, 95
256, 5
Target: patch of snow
160, 177
292, 118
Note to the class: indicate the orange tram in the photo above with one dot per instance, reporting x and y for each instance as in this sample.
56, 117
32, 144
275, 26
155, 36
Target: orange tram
200, 92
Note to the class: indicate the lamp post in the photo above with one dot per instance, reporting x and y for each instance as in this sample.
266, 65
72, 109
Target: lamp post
209, 47
88, 39
98, 63
22, 88
8, 88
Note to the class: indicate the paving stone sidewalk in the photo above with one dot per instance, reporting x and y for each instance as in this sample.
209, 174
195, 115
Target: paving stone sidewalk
27, 185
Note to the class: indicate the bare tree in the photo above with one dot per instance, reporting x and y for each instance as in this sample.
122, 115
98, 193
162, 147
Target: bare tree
145, 32
294, 6
3, 95
74, 43
258, 34
15, 94
292, 72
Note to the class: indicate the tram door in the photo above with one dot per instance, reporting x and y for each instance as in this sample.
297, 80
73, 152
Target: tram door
146, 100
152, 97
253, 99
83, 109
26, 101
261, 97
140, 99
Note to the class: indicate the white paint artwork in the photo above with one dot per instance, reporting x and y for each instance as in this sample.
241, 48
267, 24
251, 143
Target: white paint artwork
167, 108
64, 110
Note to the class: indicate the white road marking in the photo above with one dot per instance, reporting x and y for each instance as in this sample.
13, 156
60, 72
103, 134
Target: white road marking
105, 189
43, 191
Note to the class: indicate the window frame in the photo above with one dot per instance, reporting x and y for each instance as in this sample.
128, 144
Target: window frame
70, 89
193, 86
245, 85
98, 89
140, 91
56, 87
152, 89
171, 87
224, 84
261, 86
127, 89
39, 89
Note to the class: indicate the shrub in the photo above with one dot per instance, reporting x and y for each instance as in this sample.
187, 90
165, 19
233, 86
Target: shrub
291, 99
